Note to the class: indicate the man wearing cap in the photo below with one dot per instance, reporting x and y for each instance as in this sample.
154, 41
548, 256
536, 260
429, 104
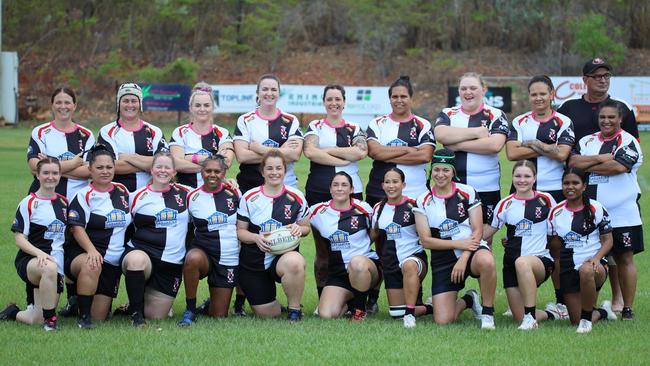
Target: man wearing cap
596, 75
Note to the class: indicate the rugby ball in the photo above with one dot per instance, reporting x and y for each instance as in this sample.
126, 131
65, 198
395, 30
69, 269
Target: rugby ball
281, 240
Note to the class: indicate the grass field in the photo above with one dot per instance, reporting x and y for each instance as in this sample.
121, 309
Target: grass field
380, 340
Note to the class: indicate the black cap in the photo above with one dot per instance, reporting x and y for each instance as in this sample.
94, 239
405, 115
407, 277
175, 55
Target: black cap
595, 63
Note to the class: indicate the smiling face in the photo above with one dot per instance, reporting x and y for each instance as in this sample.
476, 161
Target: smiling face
609, 121
63, 107
334, 103
49, 175
523, 178
273, 171
213, 175
341, 188
201, 108
471, 93
540, 97
268, 92
442, 175
393, 185
400, 101
162, 170
129, 107
573, 186
102, 170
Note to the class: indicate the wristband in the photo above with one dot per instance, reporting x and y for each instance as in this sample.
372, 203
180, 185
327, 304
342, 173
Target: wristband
195, 158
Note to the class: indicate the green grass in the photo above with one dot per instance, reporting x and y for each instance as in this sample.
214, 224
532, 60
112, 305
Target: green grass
380, 340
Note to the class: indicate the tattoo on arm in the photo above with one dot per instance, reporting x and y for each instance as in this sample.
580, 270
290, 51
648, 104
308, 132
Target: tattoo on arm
360, 142
312, 141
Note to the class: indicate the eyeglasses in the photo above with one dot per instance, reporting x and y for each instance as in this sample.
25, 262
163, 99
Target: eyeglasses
606, 76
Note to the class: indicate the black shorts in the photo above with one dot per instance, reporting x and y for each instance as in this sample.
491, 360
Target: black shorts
165, 277
318, 197
489, 201
627, 238
510, 272
71, 252
343, 279
109, 280
570, 280
21, 263
220, 276
395, 279
259, 286
441, 276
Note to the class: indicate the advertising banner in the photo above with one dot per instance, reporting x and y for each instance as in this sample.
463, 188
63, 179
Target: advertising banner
497, 97
166, 97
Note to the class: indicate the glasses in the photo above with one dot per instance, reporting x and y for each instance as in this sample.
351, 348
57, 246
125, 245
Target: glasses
606, 76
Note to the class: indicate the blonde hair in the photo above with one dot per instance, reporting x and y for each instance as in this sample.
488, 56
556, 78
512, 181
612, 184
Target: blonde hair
476, 76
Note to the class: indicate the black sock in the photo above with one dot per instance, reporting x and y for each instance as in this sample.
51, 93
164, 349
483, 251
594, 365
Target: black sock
469, 301
191, 304
239, 301
360, 298
429, 308
85, 303
320, 290
71, 289
135, 284
29, 293
410, 310
603, 313
586, 314
530, 310
373, 295
549, 315
559, 296
488, 310
48, 313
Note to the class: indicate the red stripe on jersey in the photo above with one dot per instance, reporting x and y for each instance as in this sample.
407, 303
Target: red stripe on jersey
500, 208
318, 123
29, 206
218, 132
181, 187
427, 197
463, 193
419, 123
135, 199
184, 127
88, 196
490, 114
545, 197
256, 191
121, 187
39, 133
318, 207
62, 198
84, 130
287, 117
294, 195
112, 130
366, 213
151, 131
558, 120
189, 195
522, 119
231, 189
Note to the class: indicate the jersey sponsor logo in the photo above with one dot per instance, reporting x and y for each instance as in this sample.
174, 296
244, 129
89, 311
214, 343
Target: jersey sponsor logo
558, 212
339, 240
66, 156
166, 218
270, 143
573, 240
217, 220
397, 142
524, 228
178, 199
203, 152
393, 231
595, 178
55, 230
115, 218
73, 215
630, 152
270, 225
448, 228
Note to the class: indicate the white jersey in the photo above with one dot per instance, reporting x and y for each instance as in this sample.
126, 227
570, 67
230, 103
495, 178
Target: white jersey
273, 132
526, 221
557, 130
193, 143
415, 132
43, 222
346, 231
160, 219
105, 216
146, 140
47, 139
396, 224
618, 193
320, 175
580, 240
214, 215
264, 214
480, 171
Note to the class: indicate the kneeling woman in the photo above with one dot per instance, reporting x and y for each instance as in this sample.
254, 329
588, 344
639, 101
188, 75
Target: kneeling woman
214, 251
153, 263
98, 218
584, 233
403, 258
353, 268
449, 222
39, 230
527, 262
261, 211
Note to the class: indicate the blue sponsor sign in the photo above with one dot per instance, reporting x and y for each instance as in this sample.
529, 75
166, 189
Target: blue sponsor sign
166, 97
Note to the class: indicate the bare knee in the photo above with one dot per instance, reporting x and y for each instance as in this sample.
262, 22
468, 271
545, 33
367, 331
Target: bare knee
586, 272
410, 268
136, 261
293, 263
358, 264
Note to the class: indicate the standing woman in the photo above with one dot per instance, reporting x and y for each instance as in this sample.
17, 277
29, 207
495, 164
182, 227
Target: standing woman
353, 268
194, 142
262, 210
132, 140
476, 132
214, 251
262, 130
332, 145
399, 140
582, 228
527, 262
153, 263
449, 222
98, 218
404, 261
39, 230
612, 157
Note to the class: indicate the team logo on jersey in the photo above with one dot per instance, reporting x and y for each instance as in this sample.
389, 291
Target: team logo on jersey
339, 240
73, 215
448, 228
524, 228
230, 275
413, 133
270, 225
287, 211
124, 202
354, 222
461, 209
538, 212
407, 216
81, 145
166, 218
215, 147
149, 143
178, 199
630, 152
393, 231
627, 240
484, 122
573, 240
595, 178
551, 134
55, 230
66, 156
230, 203
270, 143
397, 142
115, 218
217, 221
283, 132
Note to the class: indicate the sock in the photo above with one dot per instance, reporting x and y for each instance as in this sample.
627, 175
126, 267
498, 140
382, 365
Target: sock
549, 315
559, 296
603, 313
360, 298
429, 309
373, 295
469, 301
320, 290
191, 304
85, 303
239, 301
586, 314
530, 310
488, 310
71, 289
410, 310
29, 293
48, 313
135, 284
